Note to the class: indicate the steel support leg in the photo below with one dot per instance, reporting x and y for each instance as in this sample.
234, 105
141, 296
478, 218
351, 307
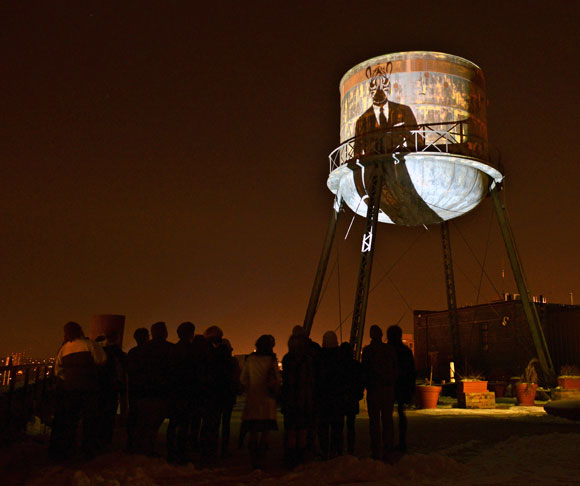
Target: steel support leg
451, 298
530, 310
366, 262
322, 265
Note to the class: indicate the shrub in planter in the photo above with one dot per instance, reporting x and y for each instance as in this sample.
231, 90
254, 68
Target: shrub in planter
569, 378
525, 389
471, 386
471, 382
526, 393
427, 393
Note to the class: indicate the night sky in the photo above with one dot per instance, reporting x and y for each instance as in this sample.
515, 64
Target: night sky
167, 161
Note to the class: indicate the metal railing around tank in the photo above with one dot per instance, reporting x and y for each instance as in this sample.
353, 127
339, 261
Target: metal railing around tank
446, 137
26, 391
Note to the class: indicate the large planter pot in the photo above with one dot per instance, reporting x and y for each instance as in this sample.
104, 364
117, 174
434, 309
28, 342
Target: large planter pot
475, 386
569, 382
526, 393
428, 395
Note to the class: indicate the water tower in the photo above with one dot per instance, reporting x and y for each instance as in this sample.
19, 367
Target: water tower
413, 151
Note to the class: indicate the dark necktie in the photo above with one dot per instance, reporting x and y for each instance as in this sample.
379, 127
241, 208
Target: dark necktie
382, 118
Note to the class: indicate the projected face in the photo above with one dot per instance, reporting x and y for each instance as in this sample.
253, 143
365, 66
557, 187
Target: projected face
379, 84
378, 88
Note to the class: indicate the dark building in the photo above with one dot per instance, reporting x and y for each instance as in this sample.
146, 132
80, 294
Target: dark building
495, 338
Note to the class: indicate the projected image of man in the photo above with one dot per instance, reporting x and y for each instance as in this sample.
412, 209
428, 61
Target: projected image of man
386, 126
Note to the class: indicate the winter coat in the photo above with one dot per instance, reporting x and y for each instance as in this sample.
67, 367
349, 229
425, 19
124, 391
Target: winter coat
183, 370
405, 384
137, 379
114, 374
298, 390
330, 383
77, 365
354, 385
379, 363
156, 360
217, 376
260, 403
235, 387
200, 350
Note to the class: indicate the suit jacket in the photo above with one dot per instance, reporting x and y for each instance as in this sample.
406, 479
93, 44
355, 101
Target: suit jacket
373, 139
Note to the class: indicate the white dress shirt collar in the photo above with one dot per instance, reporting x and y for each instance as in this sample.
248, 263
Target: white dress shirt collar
377, 110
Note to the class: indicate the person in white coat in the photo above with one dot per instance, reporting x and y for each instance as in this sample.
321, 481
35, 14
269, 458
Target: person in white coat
261, 380
77, 371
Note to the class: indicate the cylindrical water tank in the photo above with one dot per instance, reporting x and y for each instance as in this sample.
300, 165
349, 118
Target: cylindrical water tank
436, 87
423, 116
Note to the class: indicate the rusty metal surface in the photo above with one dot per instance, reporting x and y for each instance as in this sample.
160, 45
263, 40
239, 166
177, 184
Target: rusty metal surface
436, 87
105, 324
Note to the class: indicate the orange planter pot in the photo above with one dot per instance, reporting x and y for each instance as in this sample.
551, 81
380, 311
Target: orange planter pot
569, 383
526, 393
428, 395
472, 386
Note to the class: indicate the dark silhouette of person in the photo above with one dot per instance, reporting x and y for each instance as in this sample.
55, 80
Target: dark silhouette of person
154, 405
379, 366
76, 370
200, 350
405, 384
330, 397
113, 389
180, 410
354, 393
314, 352
136, 382
217, 378
232, 392
297, 398
386, 126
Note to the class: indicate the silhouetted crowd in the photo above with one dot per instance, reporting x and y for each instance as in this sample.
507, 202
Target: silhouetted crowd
195, 384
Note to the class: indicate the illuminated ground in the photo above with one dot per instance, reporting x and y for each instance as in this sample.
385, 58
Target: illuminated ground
500, 446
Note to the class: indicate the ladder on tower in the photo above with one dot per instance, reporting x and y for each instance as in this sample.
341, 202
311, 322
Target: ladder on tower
451, 297
366, 263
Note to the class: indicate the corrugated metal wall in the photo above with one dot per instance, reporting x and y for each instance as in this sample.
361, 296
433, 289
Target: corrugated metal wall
562, 330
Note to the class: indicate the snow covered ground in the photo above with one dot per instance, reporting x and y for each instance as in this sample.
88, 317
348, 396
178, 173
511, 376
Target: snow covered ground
481, 447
